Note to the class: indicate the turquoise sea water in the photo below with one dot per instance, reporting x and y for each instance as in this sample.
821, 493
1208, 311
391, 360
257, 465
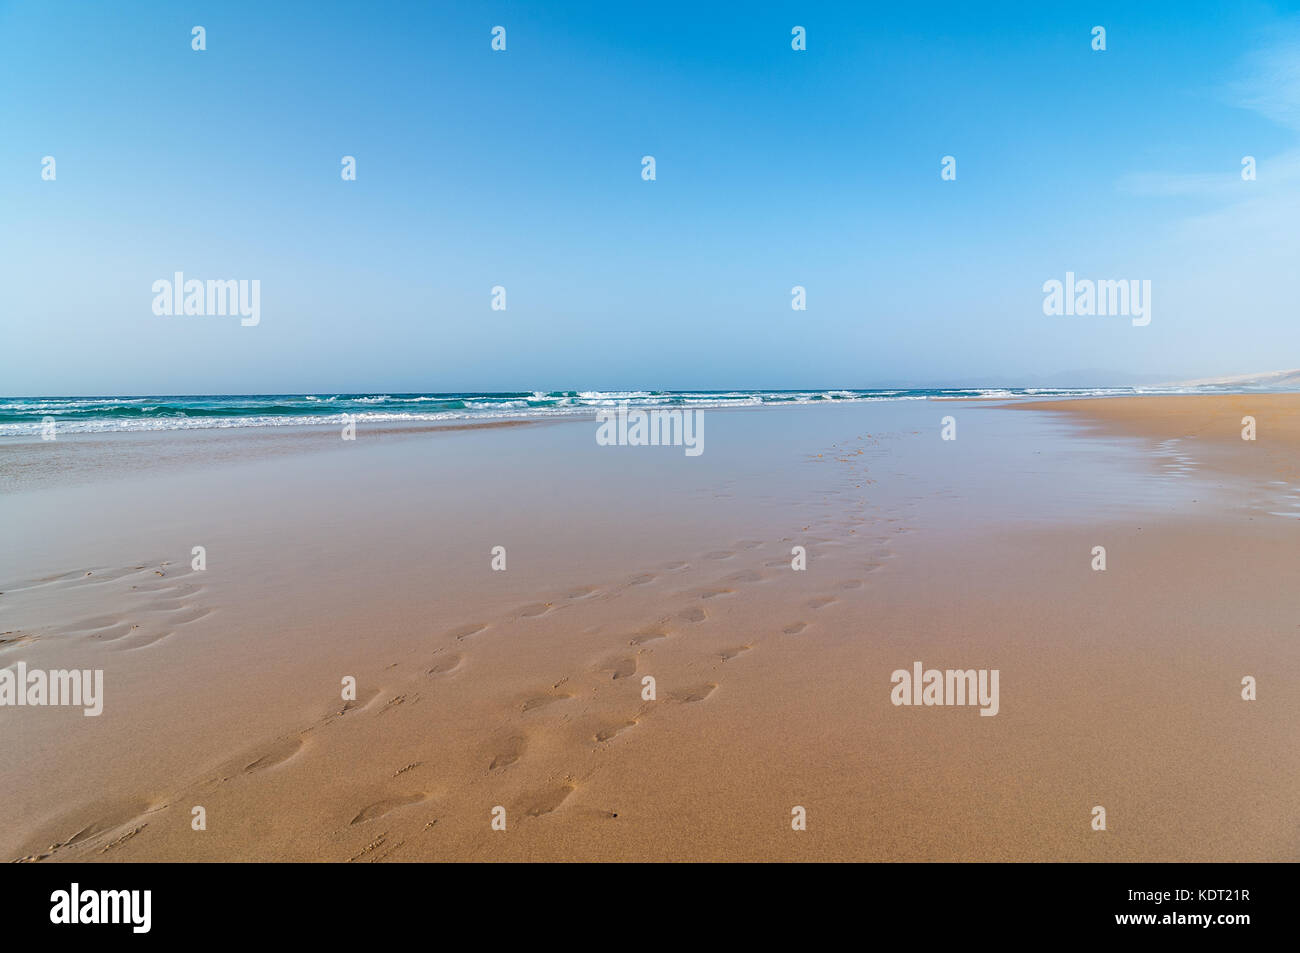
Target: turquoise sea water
25, 416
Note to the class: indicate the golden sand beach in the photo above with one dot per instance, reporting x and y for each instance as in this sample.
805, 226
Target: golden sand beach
523, 691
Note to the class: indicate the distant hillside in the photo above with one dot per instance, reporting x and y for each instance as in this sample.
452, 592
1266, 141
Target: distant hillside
1270, 380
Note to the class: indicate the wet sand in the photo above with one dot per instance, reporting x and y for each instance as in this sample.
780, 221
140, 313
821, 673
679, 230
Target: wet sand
523, 690
1212, 424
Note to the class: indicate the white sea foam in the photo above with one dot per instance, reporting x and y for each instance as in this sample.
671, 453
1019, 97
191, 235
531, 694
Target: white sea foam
161, 413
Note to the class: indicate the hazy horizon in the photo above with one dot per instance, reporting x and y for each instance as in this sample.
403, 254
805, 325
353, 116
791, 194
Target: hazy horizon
976, 384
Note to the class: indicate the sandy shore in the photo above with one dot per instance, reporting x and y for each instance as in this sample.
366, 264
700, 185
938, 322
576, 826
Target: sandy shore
1212, 424
523, 689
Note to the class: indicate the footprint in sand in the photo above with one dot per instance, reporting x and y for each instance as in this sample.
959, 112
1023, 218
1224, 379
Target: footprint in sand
647, 635
95, 625
362, 701
642, 579
465, 631
121, 813
508, 752
188, 616
696, 694
615, 728
380, 808
714, 593
620, 668
278, 753
748, 544
115, 815
112, 633
143, 641
581, 592
534, 610
719, 554
170, 604
820, 602
794, 628
95, 577
743, 577
674, 566
445, 664
49, 580
693, 614
172, 590
850, 584
545, 801
541, 701
729, 654
122, 838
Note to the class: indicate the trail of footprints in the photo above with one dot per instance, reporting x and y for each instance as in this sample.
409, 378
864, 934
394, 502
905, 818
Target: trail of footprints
163, 598
510, 747
168, 602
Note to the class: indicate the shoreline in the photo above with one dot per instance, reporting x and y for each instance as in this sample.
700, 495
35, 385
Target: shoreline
32, 463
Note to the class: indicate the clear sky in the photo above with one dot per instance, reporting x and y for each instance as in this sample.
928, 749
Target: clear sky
522, 168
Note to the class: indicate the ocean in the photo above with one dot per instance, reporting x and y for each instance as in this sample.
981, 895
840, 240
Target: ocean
27, 416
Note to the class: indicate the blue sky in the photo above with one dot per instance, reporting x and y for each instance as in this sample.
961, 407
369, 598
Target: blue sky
522, 168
